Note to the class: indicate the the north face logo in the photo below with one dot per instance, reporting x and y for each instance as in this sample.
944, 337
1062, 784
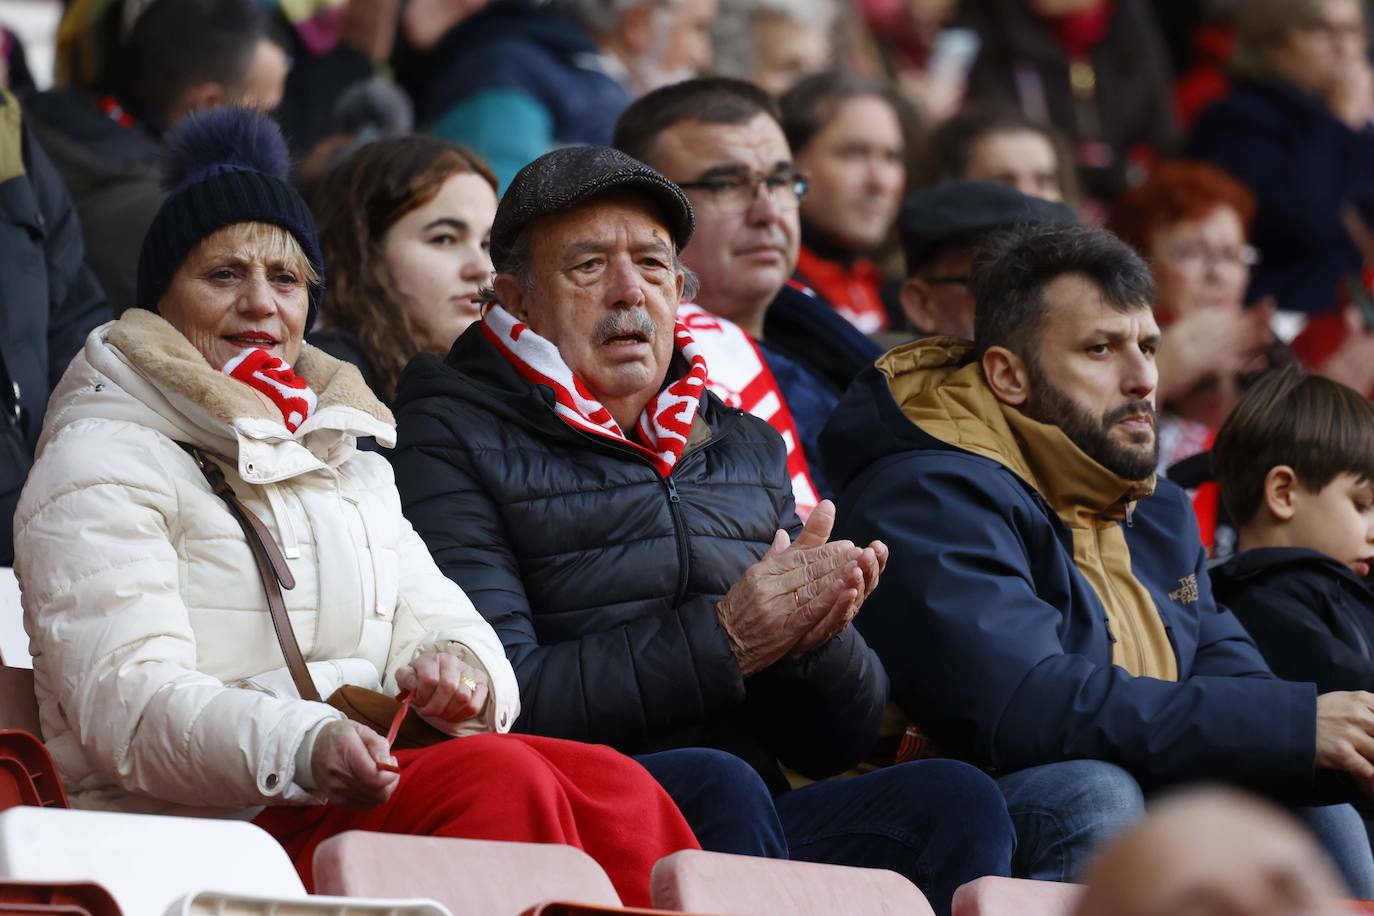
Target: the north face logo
1187, 592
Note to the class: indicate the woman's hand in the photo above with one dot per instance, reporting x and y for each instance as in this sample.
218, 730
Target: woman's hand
444, 687
1212, 342
344, 765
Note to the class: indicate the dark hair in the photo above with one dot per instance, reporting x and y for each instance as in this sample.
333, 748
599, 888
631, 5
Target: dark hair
711, 100
355, 204
1009, 277
946, 152
809, 105
177, 44
1319, 428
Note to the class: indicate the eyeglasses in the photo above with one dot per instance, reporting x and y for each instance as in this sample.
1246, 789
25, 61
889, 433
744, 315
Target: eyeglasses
1193, 257
737, 193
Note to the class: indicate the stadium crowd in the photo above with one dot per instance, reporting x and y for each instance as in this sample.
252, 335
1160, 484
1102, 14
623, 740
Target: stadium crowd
909, 434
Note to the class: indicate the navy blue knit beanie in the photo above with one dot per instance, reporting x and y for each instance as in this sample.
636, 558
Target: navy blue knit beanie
223, 165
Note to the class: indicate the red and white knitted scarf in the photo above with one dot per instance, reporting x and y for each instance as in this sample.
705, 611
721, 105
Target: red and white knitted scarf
664, 425
269, 375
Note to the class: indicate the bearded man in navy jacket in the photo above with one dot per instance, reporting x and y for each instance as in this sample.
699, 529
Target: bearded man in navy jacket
1047, 613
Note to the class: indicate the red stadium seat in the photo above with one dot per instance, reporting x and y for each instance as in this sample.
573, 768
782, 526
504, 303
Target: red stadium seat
468, 876
27, 774
715, 882
1015, 897
74, 899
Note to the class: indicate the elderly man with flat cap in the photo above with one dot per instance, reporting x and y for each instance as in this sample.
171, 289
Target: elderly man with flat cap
634, 542
941, 229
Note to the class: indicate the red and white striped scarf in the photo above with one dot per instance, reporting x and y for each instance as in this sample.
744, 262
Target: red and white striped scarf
664, 425
269, 375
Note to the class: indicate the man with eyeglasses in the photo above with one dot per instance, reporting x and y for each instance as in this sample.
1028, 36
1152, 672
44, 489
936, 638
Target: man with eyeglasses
941, 229
721, 141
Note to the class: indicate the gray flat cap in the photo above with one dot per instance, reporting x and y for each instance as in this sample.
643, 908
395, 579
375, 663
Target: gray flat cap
961, 211
563, 178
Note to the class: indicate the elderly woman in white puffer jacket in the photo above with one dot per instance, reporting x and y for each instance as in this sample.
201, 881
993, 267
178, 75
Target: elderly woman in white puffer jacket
161, 683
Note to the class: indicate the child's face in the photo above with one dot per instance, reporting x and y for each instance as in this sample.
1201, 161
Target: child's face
1338, 521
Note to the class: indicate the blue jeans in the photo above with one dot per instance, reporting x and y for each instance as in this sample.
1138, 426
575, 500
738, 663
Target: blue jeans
722, 798
939, 823
1065, 811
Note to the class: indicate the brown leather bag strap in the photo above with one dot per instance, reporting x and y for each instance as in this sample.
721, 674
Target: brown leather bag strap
271, 567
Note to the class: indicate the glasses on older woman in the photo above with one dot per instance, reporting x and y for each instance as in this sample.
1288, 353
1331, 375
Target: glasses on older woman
735, 193
1200, 257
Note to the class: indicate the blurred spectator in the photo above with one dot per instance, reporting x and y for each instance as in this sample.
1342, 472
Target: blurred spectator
1296, 130
14, 68
405, 225
907, 42
182, 55
1051, 615
365, 112
521, 76
847, 139
49, 301
1095, 69
992, 143
722, 142
1213, 852
773, 43
942, 229
1191, 222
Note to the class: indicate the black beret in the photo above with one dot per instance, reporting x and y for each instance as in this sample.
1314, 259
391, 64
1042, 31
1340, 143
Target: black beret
962, 211
563, 178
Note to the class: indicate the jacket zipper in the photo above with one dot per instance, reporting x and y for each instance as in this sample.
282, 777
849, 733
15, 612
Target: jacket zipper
670, 488
1130, 622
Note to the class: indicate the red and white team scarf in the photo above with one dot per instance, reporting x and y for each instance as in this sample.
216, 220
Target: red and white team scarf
743, 380
267, 374
664, 425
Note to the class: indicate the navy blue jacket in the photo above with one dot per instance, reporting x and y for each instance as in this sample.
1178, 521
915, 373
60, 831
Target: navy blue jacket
1310, 615
1303, 165
997, 645
49, 300
513, 80
602, 577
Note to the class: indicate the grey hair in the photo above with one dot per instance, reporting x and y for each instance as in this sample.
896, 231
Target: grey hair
732, 29
520, 264
601, 17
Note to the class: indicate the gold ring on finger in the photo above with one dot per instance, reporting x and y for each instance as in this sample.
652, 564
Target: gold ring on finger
468, 684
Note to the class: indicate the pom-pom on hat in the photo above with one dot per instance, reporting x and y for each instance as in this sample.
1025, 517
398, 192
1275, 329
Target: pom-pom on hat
223, 165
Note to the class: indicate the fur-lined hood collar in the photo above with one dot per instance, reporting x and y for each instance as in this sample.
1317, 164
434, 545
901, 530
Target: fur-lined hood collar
141, 369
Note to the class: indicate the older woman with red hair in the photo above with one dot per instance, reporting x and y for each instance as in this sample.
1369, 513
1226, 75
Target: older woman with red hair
1192, 222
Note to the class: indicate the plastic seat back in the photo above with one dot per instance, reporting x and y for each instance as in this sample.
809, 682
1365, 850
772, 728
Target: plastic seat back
28, 775
716, 882
1016, 897
467, 876
146, 862
215, 903
78, 899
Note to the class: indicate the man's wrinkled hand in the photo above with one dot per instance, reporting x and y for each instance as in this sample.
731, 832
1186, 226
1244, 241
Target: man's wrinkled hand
799, 595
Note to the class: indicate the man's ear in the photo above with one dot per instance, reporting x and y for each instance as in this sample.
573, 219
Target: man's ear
1007, 376
511, 294
918, 306
1280, 492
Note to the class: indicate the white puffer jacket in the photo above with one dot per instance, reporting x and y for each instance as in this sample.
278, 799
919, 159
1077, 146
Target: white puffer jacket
161, 685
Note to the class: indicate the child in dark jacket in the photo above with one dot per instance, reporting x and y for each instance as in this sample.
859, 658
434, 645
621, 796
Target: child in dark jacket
1295, 461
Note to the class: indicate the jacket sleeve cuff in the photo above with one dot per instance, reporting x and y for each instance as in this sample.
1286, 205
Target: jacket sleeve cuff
304, 775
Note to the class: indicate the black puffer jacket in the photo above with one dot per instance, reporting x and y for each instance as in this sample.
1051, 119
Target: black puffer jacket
602, 577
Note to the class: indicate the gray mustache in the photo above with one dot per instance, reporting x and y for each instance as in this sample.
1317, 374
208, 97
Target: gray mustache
618, 323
